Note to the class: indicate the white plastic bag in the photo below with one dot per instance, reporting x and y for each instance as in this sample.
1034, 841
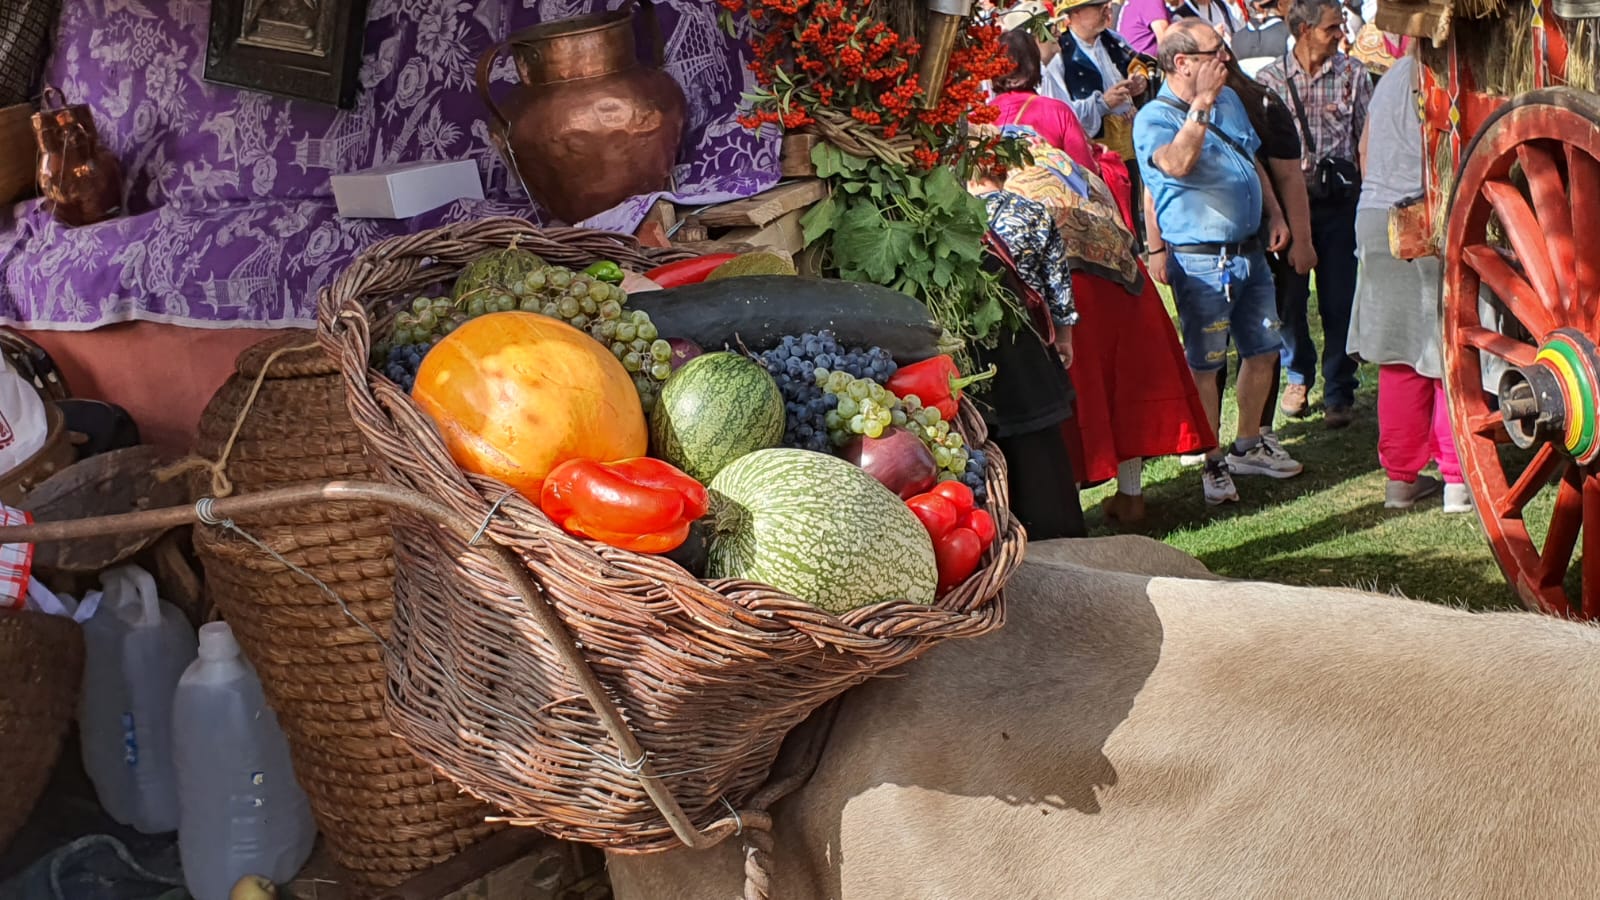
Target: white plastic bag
23, 426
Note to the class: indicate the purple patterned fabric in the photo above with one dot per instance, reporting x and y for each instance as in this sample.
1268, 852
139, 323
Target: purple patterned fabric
231, 220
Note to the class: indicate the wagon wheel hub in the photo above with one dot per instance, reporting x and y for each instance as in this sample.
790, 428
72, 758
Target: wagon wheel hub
1554, 400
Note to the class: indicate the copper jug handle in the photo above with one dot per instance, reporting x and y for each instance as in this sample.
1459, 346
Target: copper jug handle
44, 98
485, 67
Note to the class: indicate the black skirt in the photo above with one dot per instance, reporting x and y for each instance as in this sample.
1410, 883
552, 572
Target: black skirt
1031, 390
1028, 400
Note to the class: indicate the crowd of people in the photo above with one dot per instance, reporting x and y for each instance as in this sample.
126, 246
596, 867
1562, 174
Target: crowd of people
1237, 155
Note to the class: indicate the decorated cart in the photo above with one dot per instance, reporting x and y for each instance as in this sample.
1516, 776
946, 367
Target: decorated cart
1511, 127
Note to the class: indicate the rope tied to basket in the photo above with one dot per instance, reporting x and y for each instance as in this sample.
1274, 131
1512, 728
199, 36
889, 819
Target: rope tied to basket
221, 485
205, 512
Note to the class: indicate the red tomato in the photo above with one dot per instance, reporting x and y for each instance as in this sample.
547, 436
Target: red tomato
957, 554
957, 493
938, 515
983, 524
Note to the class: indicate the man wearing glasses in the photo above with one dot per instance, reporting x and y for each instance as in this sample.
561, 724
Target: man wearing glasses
1207, 190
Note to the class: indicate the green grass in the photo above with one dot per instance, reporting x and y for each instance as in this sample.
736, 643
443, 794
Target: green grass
1326, 527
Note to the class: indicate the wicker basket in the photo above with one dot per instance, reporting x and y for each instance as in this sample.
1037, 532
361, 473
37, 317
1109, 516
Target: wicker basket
710, 676
41, 665
384, 812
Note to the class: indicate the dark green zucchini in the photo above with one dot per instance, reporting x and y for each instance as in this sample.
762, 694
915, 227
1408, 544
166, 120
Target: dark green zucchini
759, 310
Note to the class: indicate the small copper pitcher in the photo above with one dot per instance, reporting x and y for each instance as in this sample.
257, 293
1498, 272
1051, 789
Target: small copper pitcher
78, 176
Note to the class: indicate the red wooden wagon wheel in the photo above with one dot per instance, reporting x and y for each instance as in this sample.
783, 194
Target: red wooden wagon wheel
1521, 312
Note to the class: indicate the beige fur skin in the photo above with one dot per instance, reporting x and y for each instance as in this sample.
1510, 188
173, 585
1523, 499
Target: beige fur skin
1128, 736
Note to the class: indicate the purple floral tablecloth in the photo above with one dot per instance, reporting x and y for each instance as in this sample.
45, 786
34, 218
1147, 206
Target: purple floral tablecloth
230, 217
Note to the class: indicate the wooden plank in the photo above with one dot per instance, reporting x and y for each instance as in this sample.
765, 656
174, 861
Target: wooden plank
691, 231
766, 207
784, 234
794, 159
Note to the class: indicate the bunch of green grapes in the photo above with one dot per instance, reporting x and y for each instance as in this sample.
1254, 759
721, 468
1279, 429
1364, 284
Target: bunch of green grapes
949, 448
860, 406
425, 321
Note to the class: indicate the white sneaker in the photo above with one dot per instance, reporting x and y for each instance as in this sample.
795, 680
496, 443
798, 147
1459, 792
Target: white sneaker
1218, 484
1265, 458
1457, 499
1190, 460
1400, 495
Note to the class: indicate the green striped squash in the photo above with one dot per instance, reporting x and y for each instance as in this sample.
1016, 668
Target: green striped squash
713, 410
819, 528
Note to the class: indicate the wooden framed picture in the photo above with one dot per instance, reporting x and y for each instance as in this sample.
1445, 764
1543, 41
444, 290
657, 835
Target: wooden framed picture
307, 49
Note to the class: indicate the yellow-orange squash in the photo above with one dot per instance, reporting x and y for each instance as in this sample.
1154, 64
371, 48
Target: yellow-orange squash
516, 394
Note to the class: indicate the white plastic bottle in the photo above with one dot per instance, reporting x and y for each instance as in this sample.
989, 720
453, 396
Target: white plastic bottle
242, 812
137, 647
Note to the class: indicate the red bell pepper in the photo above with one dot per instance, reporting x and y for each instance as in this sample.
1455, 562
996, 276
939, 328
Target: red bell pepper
936, 382
961, 532
687, 271
644, 505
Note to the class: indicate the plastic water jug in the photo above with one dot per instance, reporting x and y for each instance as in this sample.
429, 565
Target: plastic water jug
137, 647
242, 813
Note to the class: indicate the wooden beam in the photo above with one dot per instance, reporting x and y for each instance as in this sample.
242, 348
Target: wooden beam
794, 159
766, 207
783, 234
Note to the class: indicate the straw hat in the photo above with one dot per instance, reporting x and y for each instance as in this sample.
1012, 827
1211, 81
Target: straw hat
1021, 14
1065, 6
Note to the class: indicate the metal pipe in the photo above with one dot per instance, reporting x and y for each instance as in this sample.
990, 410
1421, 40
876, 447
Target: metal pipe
946, 18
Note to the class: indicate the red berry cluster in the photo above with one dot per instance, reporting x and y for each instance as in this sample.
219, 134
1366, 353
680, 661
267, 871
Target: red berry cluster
837, 55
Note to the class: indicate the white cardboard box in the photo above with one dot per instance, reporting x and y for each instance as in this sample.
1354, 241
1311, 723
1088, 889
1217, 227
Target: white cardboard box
405, 190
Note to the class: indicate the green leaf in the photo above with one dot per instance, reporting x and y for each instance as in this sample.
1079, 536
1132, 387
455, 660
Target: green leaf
852, 163
853, 187
875, 189
913, 186
943, 191
826, 158
987, 315
942, 271
867, 243
820, 219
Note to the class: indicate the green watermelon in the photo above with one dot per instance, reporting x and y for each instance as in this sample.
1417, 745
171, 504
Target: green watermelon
496, 271
713, 410
817, 527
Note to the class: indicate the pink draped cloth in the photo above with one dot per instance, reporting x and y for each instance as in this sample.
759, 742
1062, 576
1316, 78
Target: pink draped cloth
1052, 120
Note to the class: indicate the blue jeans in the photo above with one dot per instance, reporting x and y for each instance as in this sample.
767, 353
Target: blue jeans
1333, 233
1210, 312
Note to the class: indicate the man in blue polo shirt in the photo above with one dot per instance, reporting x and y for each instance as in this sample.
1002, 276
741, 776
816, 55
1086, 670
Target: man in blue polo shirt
1207, 190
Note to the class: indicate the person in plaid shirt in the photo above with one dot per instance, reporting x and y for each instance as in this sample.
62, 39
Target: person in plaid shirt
1328, 92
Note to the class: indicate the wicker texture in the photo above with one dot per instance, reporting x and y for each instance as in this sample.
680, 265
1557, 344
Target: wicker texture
41, 665
710, 676
384, 812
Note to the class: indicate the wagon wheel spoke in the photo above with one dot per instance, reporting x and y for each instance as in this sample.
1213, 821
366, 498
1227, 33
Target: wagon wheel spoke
1527, 240
1583, 188
1514, 291
1591, 547
1496, 344
1563, 535
1538, 474
1551, 203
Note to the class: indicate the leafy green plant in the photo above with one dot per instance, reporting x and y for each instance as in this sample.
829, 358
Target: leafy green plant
921, 234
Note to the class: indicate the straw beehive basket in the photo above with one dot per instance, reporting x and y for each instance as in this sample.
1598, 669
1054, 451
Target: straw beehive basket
384, 812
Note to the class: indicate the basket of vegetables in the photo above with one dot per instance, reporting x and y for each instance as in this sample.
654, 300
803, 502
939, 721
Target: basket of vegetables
706, 487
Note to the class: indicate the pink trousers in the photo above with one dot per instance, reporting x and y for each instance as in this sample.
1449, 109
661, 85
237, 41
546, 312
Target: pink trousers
1414, 425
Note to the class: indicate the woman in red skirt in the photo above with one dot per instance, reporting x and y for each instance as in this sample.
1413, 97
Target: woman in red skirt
1135, 396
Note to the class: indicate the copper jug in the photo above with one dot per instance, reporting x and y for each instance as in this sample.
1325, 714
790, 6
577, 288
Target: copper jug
590, 126
78, 176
